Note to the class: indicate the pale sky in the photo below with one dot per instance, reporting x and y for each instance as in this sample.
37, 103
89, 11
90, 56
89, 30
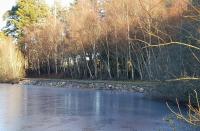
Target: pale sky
7, 4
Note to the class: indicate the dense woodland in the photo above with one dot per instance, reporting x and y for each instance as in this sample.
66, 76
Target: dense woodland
108, 39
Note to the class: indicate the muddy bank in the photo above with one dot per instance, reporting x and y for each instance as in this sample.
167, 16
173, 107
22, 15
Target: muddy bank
176, 89
10, 81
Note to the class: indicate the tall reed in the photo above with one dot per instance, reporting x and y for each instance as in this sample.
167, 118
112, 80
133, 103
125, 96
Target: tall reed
11, 61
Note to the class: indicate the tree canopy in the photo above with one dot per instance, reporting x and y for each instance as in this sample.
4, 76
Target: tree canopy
119, 39
23, 14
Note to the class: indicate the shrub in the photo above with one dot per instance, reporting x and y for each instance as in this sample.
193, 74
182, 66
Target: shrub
193, 115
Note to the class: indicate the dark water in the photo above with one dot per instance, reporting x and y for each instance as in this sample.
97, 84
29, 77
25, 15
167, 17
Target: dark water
32, 108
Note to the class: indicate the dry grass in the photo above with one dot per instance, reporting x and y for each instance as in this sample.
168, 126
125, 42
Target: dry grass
193, 115
11, 61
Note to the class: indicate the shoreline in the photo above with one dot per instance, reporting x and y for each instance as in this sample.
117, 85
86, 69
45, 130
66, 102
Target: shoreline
168, 90
139, 86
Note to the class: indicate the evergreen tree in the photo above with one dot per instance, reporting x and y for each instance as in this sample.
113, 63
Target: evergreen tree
24, 14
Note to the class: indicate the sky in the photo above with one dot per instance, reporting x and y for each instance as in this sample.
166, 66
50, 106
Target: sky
7, 4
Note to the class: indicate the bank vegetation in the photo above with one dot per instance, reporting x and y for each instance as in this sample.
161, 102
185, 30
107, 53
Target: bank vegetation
11, 61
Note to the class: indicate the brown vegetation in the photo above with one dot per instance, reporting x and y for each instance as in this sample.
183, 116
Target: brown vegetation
11, 61
193, 116
120, 39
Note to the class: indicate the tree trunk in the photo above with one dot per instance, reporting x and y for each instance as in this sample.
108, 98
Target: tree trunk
117, 54
129, 58
56, 60
108, 57
88, 67
48, 65
38, 68
95, 60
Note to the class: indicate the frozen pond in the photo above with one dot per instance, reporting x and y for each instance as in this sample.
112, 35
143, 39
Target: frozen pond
31, 108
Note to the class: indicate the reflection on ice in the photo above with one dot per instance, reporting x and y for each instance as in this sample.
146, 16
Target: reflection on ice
32, 108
